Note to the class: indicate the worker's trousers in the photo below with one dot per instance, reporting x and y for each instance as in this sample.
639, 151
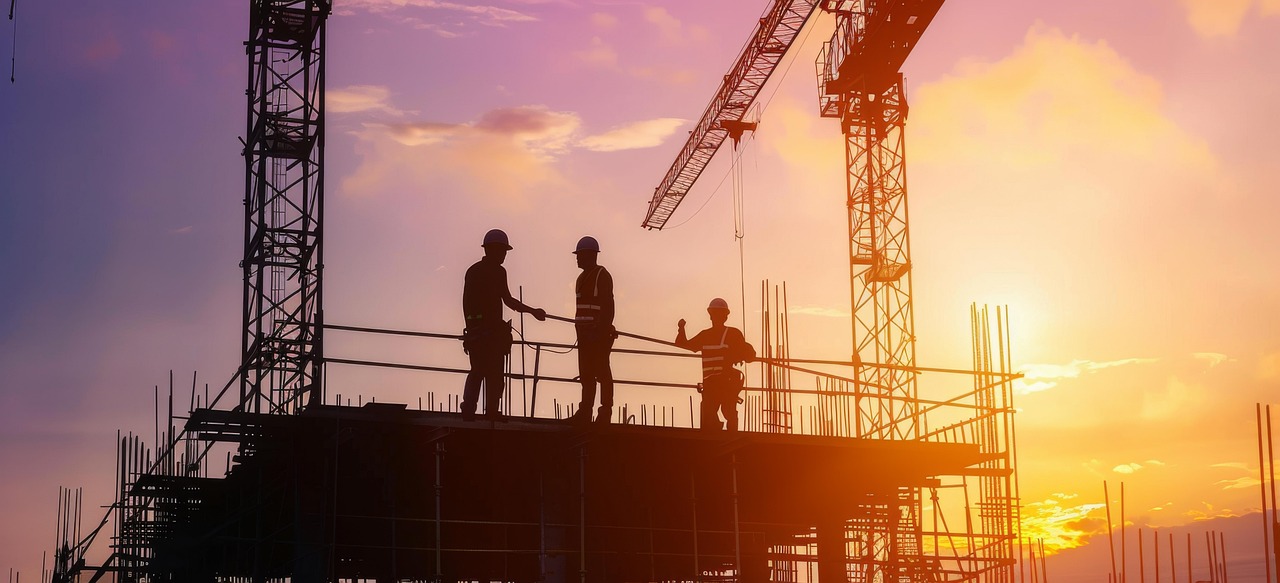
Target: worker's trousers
720, 396
593, 367
486, 368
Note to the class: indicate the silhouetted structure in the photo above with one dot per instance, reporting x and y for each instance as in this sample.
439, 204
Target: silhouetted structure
829, 479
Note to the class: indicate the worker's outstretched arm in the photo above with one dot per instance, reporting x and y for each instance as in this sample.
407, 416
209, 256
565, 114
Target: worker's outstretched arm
681, 340
518, 306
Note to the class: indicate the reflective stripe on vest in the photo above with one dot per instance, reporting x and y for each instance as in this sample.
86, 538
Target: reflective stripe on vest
714, 356
587, 311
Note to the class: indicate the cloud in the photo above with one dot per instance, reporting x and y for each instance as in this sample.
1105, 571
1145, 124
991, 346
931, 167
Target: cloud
1061, 527
1217, 18
361, 98
1042, 377
670, 29
485, 15
1213, 358
641, 134
1238, 483
441, 30
1057, 104
603, 20
502, 156
1127, 469
599, 54
1209, 513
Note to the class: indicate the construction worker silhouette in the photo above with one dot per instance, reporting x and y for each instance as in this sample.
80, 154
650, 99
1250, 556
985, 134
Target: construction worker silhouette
487, 337
593, 321
721, 347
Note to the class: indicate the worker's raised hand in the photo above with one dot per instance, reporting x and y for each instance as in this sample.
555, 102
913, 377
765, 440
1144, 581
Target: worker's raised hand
540, 314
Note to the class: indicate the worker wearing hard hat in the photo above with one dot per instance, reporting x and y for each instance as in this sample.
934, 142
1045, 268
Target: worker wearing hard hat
721, 347
487, 337
593, 321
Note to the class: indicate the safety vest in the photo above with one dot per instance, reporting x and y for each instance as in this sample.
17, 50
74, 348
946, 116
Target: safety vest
715, 357
587, 293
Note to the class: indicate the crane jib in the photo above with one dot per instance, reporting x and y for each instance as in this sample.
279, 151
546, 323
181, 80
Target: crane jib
772, 38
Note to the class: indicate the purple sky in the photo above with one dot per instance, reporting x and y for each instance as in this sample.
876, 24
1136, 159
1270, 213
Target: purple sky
1104, 168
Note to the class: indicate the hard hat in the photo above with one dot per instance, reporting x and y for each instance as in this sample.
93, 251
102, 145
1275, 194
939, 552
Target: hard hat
587, 244
718, 304
497, 238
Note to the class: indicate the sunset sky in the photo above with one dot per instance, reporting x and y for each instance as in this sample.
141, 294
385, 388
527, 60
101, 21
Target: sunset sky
1106, 169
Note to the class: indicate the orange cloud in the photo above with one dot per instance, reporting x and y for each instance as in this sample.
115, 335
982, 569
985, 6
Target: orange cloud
485, 15
1042, 377
1061, 526
599, 54
641, 134
488, 13
671, 30
1056, 101
603, 20
361, 98
1223, 18
505, 155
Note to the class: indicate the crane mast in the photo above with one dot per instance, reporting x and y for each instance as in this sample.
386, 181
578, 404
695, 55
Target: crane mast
284, 195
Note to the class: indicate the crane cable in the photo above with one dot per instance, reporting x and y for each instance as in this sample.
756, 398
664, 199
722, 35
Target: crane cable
13, 55
740, 228
761, 106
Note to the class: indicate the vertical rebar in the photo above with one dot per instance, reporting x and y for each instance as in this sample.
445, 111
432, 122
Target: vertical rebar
1111, 543
1211, 556
1044, 567
1271, 471
1222, 553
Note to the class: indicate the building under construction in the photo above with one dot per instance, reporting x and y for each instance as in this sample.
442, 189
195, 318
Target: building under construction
842, 471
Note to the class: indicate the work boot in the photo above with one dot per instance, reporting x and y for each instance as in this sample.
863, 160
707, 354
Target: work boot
495, 416
604, 415
468, 412
581, 416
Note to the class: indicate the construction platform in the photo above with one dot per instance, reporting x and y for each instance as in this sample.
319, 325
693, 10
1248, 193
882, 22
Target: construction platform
387, 493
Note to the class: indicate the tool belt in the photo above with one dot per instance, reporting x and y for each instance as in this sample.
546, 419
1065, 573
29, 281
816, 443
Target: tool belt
731, 381
496, 338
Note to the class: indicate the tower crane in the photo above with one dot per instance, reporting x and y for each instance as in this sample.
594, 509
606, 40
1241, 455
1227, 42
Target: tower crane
859, 83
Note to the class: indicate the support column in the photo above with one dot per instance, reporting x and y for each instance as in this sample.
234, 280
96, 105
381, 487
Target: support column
832, 562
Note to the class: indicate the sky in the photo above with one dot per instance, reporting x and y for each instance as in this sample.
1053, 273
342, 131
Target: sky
1105, 169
